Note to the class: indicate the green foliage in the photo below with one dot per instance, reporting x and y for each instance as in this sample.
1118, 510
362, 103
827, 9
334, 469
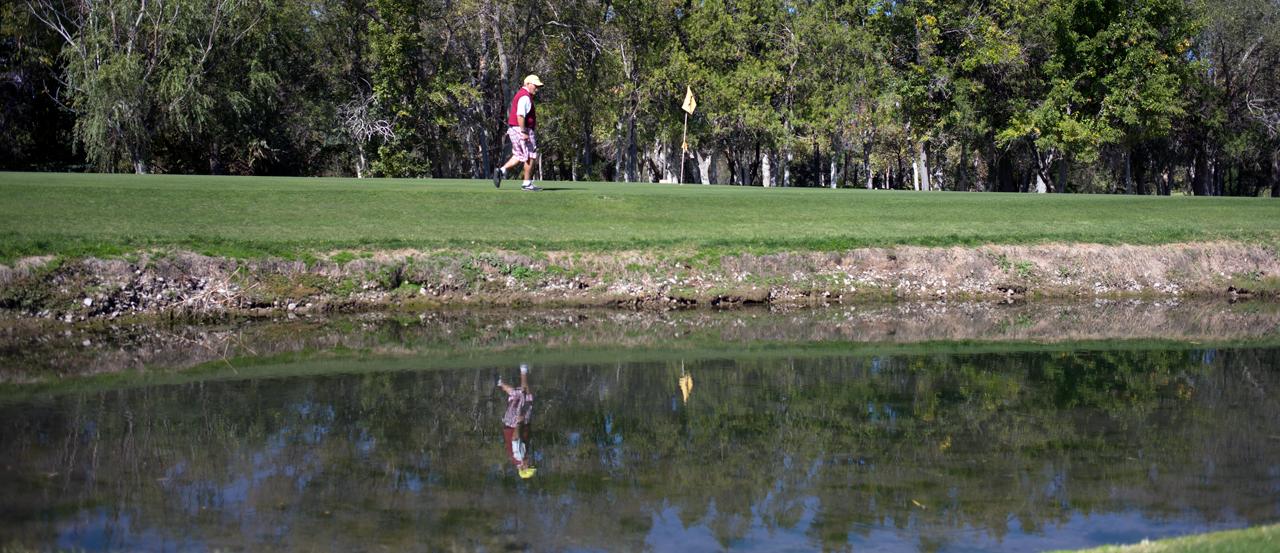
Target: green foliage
1146, 96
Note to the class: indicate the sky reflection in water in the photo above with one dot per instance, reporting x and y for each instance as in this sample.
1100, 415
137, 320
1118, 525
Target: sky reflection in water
1006, 451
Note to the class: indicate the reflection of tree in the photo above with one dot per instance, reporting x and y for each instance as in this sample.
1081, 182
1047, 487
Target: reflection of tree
831, 447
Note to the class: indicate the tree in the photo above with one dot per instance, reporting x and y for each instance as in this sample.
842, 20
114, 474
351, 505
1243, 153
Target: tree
135, 69
362, 126
1113, 78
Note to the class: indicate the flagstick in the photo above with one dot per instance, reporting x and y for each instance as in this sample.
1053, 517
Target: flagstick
684, 147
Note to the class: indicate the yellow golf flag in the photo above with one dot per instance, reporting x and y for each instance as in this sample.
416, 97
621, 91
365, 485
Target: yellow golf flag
690, 104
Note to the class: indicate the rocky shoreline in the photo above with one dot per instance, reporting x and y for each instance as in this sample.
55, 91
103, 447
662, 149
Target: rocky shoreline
186, 284
30, 353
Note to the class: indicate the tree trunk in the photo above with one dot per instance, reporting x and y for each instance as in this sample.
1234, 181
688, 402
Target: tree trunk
1275, 174
706, 166
845, 161
486, 160
1218, 176
866, 165
923, 155
1004, 176
766, 171
1128, 171
817, 163
631, 146
836, 154
215, 160
587, 148
787, 157
915, 174
669, 162
620, 153
496, 29
1063, 166
1140, 174
1200, 176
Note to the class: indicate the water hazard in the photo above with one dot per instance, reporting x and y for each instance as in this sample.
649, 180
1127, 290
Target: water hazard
825, 429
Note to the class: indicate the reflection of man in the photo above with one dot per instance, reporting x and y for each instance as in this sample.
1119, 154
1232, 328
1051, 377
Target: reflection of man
515, 423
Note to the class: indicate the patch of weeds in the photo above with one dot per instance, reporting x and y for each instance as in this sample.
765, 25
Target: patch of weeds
346, 287
1023, 268
276, 287
1002, 261
389, 277
520, 272
407, 290
472, 272
1256, 282
342, 258
558, 271
33, 291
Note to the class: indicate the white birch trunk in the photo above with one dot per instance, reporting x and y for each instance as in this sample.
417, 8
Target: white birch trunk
705, 165
923, 156
766, 171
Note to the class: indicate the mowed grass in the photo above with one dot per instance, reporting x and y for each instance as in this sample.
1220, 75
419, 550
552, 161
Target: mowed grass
1261, 539
82, 214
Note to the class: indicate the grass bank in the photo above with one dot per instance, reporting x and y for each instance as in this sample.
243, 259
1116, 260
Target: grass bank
294, 218
1262, 539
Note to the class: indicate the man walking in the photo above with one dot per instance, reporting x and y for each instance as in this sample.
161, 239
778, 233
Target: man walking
522, 120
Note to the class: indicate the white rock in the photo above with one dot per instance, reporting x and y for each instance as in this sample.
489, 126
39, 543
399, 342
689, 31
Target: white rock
88, 302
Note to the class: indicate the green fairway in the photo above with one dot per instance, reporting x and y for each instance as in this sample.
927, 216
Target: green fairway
77, 214
1260, 539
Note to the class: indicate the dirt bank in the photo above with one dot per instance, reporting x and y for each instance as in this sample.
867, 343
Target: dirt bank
31, 353
177, 282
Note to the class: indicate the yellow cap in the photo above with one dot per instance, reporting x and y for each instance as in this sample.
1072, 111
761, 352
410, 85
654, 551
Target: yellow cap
533, 79
528, 472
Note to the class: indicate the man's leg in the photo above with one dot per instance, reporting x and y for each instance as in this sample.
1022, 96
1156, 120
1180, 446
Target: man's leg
500, 172
510, 163
528, 177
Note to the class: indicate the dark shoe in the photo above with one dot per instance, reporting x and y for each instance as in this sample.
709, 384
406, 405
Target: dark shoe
497, 178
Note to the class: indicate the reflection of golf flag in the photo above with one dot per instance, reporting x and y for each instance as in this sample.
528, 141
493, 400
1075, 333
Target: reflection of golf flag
690, 104
686, 386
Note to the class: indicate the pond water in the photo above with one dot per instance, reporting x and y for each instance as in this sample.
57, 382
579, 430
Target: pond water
750, 431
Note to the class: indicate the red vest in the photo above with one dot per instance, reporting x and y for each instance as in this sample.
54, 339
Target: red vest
530, 119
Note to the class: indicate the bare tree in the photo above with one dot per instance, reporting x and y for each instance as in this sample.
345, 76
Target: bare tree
359, 122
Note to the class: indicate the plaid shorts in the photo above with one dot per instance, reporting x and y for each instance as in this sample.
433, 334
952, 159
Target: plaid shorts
523, 148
